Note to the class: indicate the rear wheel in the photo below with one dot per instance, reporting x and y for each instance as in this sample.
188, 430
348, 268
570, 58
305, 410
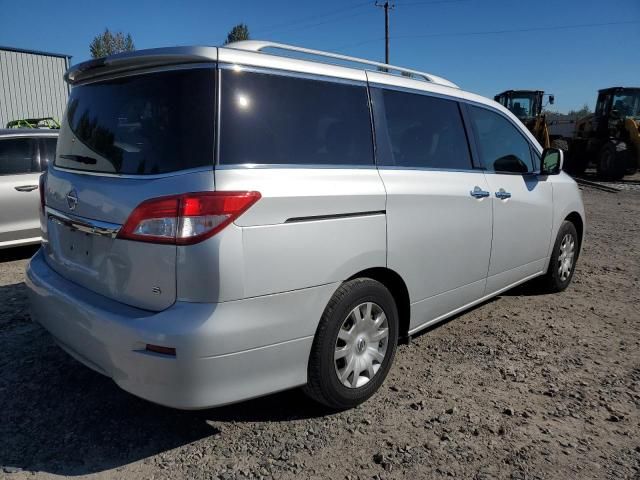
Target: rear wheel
563, 259
354, 346
612, 161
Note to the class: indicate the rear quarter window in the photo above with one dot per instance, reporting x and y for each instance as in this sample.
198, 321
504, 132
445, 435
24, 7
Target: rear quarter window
141, 124
419, 131
282, 120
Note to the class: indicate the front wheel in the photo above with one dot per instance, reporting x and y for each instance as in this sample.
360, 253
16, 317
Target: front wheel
612, 161
354, 346
563, 259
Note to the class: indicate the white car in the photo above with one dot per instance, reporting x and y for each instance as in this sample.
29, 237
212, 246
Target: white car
24, 154
223, 223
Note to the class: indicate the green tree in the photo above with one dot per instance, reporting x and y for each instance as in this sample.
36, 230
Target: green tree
107, 43
237, 33
583, 112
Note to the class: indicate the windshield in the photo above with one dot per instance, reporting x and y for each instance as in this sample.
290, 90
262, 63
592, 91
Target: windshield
521, 105
141, 124
627, 104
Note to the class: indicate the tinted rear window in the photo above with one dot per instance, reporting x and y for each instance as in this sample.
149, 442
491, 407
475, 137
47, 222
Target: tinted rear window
273, 119
143, 124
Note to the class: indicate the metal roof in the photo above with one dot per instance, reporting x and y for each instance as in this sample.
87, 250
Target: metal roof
28, 132
34, 52
613, 89
520, 91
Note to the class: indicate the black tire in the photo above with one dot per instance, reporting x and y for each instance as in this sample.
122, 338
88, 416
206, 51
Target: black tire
612, 161
576, 160
552, 281
323, 385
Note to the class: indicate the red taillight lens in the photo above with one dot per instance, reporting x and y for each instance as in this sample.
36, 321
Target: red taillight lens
185, 219
41, 187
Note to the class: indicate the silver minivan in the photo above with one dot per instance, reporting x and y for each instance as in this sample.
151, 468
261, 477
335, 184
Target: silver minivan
223, 223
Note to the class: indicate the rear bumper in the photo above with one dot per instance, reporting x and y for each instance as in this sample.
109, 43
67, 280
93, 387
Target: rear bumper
225, 352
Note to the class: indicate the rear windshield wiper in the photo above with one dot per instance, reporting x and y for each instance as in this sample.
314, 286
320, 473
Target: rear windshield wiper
80, 159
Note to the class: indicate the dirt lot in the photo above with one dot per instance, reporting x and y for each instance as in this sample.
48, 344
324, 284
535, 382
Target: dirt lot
525, 386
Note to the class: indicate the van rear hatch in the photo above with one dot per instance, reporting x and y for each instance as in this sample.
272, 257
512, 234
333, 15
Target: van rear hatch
126, 140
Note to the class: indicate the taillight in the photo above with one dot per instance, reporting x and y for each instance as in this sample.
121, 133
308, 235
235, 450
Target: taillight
41, 187
185, 219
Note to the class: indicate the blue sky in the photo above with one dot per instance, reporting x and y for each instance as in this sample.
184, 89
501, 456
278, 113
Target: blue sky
565, 47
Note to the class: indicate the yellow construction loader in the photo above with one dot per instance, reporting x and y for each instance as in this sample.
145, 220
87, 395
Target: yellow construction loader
527, 106
610, 137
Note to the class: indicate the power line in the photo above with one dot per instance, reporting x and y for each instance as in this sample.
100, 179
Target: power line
312, 17
433, 2
495, 32
325, 22
531, 29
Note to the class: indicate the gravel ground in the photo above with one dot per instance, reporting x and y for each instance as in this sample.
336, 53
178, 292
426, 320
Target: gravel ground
524, 386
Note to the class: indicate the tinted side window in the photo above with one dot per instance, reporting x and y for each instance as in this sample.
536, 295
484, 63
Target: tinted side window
47, 151
271, 119
421, 131
16, 156
502, 147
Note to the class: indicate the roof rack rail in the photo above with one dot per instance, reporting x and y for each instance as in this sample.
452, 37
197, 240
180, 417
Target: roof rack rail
259, 45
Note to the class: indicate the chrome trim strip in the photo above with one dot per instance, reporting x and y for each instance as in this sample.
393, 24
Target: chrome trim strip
85, 225
431, 169
290, 73
308, 166
313, 218
133, 176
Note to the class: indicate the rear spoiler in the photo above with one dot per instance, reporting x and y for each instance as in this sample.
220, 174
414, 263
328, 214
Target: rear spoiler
153, 57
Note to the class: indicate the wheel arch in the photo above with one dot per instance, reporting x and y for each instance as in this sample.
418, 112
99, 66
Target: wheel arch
575, 218
398, 288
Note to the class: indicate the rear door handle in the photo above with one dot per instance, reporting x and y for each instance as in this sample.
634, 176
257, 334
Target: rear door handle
477, 192
502, 194
26, 188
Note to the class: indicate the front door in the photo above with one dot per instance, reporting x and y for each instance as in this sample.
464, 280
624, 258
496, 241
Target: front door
522, 200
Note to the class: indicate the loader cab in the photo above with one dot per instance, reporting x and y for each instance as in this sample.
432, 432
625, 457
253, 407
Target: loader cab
618, 103
524, 104
613, 109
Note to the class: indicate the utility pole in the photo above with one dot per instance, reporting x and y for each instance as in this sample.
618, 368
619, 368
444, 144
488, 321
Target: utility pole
387, 6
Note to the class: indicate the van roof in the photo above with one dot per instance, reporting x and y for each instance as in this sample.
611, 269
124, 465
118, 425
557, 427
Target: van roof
166, 56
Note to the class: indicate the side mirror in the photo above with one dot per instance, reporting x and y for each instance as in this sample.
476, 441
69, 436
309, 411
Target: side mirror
552, 161
551, 99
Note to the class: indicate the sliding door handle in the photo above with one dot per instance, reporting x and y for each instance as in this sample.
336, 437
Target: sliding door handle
26, 188
477, 192
502, 194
